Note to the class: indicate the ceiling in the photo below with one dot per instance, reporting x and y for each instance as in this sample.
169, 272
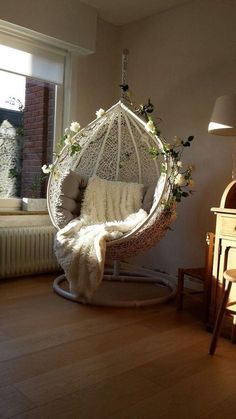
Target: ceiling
121, 12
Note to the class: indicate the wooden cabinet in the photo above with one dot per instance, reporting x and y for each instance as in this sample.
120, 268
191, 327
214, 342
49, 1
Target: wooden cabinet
225, 249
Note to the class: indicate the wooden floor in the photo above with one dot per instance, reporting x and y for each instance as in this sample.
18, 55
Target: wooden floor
59, 359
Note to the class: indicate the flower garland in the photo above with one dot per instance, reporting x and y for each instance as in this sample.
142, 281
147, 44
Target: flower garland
180, 179
69, 139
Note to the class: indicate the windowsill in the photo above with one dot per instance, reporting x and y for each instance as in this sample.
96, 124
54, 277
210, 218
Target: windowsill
7, 212
16, 218
23, 206
10, 204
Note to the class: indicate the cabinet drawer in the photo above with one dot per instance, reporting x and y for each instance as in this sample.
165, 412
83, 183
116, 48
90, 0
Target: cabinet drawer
228, 226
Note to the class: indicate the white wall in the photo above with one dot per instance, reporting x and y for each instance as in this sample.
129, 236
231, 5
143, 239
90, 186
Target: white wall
183, 59
96, 77
67, 20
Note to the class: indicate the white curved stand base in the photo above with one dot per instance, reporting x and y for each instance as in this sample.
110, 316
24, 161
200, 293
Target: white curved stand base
127, 277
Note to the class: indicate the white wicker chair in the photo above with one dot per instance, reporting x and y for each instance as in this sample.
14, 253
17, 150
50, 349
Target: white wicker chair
117, 146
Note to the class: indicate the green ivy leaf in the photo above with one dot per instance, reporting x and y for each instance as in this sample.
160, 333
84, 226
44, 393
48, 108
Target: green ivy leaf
75, 148
13, 173
154, 152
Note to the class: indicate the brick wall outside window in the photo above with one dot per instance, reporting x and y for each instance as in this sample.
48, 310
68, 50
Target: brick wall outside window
38, 135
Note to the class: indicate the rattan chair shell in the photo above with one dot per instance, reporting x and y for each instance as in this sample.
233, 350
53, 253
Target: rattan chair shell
116, 146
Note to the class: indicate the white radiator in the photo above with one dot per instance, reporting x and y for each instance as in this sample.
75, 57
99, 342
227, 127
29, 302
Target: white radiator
26, 250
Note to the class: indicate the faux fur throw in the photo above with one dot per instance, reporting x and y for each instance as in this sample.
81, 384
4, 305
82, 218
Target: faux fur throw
109, 210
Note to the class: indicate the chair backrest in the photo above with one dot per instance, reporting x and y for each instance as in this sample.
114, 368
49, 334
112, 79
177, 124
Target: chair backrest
116, 146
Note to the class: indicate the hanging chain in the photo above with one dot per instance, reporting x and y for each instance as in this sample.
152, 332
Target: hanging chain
124, 84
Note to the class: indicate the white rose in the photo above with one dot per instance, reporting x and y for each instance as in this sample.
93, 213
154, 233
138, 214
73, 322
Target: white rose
150, 127
74, 126
100, 112
179, 164
47, 169
44, 168
68, 140
179, 180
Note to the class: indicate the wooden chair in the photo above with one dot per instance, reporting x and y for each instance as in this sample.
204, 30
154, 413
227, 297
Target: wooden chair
203, 274
225, 306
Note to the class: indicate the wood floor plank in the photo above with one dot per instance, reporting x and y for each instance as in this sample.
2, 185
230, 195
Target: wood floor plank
17, 288
192, 397
87, 345
45, 337
89, 371
28, 318
18, 314
66, 360
98, 401
36, 364
164, 369
224, 408
12, 402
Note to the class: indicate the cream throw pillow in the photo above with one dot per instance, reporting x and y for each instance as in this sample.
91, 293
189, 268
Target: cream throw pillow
106, 200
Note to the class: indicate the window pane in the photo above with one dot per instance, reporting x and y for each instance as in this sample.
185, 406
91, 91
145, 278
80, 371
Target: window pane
26, 138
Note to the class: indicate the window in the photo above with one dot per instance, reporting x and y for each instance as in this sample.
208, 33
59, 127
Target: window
31, 78
26, 134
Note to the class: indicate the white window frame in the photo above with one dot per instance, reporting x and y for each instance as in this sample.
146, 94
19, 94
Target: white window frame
63, 92
46, 44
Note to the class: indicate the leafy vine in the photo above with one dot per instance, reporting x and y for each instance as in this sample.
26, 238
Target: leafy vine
179, 178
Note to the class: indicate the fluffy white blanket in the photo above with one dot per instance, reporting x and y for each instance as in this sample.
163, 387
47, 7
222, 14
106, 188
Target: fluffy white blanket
109, 210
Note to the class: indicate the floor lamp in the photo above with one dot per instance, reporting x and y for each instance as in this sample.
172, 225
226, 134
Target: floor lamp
223, 121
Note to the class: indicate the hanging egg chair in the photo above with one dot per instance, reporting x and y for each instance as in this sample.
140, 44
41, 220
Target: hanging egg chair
116, 146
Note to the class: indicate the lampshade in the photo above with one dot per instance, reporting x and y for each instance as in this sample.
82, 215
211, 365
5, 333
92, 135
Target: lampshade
223, 118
